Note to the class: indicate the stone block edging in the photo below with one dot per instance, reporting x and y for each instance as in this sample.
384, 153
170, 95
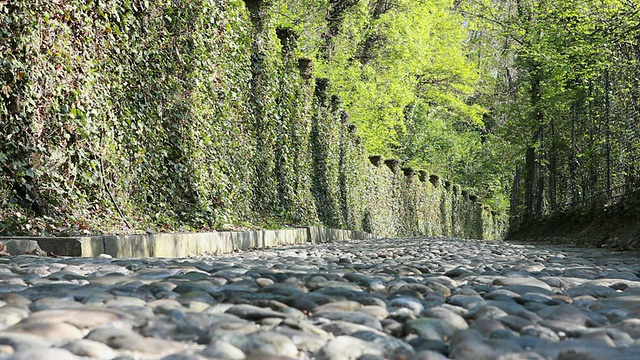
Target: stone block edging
175, 245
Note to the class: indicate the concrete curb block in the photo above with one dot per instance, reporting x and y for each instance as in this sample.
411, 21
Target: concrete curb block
176, 245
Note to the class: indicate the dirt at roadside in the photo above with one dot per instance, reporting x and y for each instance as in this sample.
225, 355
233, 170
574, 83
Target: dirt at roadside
617, 226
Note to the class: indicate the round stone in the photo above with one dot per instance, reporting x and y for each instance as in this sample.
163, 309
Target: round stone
44, 354
348, 348
10, 315
50, 331
92, 349
220, 349
430, 328
455, 321
80, 318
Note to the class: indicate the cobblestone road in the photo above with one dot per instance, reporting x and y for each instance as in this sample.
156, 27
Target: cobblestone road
425, 298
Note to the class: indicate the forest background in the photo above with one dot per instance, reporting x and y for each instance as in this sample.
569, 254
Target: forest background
230, 114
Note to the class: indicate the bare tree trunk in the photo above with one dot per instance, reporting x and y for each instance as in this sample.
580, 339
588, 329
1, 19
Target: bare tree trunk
553, 170
534, 184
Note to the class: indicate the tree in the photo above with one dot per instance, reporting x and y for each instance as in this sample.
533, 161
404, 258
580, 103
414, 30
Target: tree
572, 108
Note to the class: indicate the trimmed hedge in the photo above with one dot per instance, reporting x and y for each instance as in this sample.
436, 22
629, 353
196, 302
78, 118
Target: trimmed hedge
158, 115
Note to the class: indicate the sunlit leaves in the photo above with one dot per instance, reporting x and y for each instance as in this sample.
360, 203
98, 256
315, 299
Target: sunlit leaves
383, 63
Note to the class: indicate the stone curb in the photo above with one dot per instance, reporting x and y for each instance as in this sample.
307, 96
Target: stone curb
175, 245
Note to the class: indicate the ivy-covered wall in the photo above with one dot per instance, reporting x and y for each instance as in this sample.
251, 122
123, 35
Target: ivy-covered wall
170, 115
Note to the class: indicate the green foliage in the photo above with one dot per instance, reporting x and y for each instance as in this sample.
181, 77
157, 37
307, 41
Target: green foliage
574, 102
386, 61
565, 104
193, 115
133, 109
416, 79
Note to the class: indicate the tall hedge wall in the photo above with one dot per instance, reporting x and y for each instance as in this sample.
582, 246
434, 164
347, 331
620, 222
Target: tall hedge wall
173, 115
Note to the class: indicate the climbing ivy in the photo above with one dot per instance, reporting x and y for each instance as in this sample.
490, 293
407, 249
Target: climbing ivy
131, 112
173, 115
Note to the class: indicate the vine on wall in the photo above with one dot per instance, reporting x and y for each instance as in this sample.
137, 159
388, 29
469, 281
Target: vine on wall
157, 115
